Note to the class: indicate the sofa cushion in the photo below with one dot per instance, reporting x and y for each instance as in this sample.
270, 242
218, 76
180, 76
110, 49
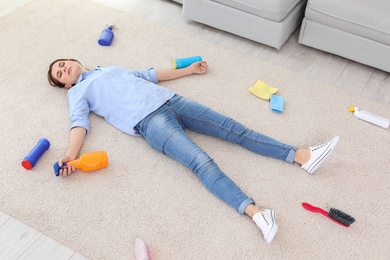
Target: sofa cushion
275, 10
368, 19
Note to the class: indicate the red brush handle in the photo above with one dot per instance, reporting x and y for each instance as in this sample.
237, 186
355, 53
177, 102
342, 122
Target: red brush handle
319, 210
314, 209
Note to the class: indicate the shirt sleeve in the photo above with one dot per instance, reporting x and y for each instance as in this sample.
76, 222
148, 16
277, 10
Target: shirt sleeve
79, 112
149, 74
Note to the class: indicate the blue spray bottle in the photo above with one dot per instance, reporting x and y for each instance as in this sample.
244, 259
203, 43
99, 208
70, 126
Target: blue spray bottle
107, 36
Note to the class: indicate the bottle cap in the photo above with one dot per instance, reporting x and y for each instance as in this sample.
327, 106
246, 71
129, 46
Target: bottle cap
26, 164
174, 65
352, 109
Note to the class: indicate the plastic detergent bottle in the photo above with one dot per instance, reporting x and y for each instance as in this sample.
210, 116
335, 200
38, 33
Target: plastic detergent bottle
370, 117
185, 62
107, 36
31, 159
87, 162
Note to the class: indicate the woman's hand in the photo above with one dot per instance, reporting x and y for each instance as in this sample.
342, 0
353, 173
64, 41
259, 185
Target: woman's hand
199, 67
77, 135
69, 168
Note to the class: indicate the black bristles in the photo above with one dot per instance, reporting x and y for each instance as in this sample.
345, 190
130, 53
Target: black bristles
341, 217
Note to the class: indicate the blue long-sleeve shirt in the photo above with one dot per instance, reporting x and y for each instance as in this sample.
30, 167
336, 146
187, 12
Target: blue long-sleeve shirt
122, 97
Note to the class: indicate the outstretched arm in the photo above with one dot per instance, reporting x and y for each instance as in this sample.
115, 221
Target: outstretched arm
195, 68
77, 136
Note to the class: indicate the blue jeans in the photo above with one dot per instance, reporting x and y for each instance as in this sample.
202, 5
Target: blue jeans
164, 129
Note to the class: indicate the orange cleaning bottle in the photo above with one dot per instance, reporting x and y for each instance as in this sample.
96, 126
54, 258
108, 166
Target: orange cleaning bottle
87, 162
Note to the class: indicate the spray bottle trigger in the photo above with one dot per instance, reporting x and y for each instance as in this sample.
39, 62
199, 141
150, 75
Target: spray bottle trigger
57, 168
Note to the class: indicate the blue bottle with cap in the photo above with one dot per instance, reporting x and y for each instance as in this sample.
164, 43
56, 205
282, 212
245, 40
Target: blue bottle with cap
107, 36
31, 159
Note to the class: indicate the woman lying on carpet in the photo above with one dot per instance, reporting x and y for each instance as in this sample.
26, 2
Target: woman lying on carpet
132, 101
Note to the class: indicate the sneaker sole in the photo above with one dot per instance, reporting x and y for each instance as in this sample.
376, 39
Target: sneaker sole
320, 160
273, 231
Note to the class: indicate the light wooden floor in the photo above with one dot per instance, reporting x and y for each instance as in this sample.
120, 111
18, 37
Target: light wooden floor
19, 241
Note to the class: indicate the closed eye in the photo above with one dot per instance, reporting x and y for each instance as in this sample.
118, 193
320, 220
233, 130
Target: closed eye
59, 72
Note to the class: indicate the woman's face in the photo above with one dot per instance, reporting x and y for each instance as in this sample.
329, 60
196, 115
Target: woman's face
67, 72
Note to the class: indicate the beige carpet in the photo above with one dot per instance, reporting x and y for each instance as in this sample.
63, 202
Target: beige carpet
143, 193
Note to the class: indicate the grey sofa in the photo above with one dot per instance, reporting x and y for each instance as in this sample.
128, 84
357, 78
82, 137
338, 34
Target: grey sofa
270, 22
355, 29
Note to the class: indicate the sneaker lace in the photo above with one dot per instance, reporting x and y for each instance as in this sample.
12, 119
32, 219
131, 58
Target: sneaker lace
319, 146
265, 219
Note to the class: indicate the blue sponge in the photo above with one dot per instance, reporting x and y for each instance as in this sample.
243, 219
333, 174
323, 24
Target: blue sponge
276, 103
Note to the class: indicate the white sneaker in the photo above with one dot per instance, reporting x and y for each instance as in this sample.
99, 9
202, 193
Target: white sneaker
265, 220
141, 251
319, 154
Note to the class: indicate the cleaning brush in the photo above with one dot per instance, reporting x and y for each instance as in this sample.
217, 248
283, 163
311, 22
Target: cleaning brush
334, 214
